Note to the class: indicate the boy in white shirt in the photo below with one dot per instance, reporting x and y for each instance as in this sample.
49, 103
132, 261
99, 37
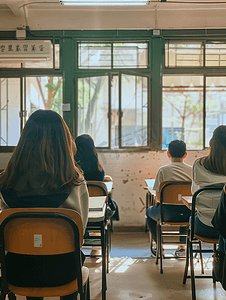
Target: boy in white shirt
176, 171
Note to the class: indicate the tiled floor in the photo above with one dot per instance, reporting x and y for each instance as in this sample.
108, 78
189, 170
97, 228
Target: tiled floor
134, 275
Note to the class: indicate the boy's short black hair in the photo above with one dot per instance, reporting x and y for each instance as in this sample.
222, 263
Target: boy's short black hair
177, 148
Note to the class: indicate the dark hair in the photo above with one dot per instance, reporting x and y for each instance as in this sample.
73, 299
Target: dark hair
177, 148
216, 160
44, 155
86, 155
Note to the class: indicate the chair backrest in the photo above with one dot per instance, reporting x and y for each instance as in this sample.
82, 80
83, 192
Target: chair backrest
172, 191
97, 188
41, 231
217, 187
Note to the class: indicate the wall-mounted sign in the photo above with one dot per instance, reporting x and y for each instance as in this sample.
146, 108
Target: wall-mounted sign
25, 50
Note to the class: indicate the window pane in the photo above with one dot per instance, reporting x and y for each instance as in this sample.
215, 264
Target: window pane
9, 113
134, 100
216, 54
130, 55
114, 112
57, 56
93, 108
183, 54
44, 93
94, 56
182, 110
215, 105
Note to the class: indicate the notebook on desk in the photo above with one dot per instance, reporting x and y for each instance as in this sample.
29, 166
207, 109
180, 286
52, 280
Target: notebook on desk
97, 203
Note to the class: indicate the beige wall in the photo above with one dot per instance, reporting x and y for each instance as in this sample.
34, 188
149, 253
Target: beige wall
154, 16
129, 170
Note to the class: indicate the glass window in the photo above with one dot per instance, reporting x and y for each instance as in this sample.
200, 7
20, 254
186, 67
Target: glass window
182, 110
57, 56
215, 105
130, 55
216, 54
44, 93
9, 113
94, 56
134, 106
183, 54
93, 108
125, 55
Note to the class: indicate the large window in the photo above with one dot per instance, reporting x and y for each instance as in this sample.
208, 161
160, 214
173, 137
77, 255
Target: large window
193, 105
182, 110
215, 105
115, 117
20, 97
9, 114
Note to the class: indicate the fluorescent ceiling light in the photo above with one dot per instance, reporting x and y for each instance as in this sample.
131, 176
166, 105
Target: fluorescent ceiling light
104, 2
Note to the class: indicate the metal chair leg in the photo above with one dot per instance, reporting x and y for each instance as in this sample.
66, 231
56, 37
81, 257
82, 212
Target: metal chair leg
200, 254
192, 272
187, 259
160, 249
157, 244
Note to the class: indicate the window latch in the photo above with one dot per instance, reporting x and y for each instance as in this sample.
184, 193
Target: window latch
23, 113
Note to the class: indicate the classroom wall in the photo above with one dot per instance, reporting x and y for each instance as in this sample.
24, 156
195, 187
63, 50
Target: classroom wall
129, 170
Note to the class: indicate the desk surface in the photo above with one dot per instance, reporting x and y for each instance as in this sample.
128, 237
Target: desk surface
150, 182
187, 200
109, 185
98, 215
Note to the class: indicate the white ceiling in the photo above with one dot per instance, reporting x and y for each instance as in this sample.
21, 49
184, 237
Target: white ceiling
173, 14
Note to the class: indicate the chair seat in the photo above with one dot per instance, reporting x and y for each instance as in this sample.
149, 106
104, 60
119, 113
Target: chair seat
62, 290
205, 239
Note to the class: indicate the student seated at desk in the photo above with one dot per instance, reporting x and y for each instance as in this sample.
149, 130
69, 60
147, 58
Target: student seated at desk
42, 173
209, 170
87, 158
176, 171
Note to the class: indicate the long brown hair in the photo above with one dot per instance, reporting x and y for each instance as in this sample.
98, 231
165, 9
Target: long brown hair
216, 160
45, 152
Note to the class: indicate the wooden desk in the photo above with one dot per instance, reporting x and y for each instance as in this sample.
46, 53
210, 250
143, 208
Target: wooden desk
109, 185
98, 203
97, 221
187, 200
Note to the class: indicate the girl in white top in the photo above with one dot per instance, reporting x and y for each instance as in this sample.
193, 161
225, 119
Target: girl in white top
207, 171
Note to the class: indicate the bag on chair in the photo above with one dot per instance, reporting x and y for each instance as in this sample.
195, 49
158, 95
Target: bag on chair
219, 267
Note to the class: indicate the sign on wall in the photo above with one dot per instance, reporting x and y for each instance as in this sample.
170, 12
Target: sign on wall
25, 50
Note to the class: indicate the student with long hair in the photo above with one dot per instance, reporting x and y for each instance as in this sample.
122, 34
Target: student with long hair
87, 158
42, 173
209, 170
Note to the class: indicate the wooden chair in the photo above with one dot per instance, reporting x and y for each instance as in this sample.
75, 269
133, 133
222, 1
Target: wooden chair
95, 189
171, 192
99, 231
61, 232
194, 239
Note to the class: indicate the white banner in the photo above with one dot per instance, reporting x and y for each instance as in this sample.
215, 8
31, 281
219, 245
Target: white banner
23, 49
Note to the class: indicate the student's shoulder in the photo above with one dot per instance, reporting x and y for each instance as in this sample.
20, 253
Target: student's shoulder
198, 162
187, 166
